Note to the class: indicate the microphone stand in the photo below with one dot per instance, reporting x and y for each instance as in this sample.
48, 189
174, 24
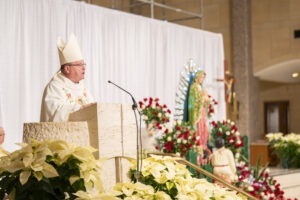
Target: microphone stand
134, 106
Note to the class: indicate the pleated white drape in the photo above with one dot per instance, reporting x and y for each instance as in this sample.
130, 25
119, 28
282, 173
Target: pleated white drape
143, 55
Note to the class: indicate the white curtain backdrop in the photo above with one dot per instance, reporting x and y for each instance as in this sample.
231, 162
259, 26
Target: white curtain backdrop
143, 55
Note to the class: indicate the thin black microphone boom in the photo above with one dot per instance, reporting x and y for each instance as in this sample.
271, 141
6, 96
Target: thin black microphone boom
134, 106
138, 134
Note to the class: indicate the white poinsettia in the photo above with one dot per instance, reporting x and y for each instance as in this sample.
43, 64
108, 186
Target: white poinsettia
274, 136
278, 140
81, 195
89, 166
287, 147
138, 191
175, 176
90, 172
42, 160
31, 159
292, 137
65, 150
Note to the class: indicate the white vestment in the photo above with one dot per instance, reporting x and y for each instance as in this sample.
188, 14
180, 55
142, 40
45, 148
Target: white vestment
1, 119
61, 97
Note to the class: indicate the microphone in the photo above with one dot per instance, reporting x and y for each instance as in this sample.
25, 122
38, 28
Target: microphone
134, 106
138, 135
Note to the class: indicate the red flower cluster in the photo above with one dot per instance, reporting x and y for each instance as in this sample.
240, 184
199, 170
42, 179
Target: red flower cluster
211, 109
229, 132
258, 182
153, 112
180, 139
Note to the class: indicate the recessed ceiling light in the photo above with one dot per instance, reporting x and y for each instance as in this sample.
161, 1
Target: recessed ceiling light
295, 75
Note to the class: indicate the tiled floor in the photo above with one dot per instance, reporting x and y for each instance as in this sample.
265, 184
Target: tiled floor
289, 180
276, 171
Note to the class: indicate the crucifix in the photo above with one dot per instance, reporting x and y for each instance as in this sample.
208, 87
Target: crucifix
229, 83
230, 95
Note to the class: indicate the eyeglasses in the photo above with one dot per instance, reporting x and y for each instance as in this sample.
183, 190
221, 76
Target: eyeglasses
79, 64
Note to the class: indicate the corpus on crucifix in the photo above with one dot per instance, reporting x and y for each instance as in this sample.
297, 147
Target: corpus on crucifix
229, 84
230, 95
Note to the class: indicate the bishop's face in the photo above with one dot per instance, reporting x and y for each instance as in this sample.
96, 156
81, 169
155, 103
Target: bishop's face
75, 71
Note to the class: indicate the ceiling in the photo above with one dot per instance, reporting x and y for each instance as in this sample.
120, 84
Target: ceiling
281, 73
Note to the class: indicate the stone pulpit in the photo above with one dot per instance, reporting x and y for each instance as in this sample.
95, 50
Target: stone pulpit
108, 127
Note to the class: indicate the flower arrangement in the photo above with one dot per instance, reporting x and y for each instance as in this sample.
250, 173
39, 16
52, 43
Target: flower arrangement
287, 147
154, 113
254, 180
167, 175
179, 139
50, 170
258, 182
211, 105
229, 132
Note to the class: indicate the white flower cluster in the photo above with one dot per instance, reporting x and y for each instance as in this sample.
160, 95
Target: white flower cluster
166, 170
274, 136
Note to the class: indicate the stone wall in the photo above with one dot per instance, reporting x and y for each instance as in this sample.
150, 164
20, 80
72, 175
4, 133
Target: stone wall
273, 25
279, 92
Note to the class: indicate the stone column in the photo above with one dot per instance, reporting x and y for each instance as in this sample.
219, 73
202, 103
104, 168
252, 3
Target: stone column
246, 85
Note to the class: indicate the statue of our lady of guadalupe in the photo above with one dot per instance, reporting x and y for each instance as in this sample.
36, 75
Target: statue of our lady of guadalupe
192, 105
198, 102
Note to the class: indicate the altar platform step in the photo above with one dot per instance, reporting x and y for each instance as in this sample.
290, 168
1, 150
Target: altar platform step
289, 180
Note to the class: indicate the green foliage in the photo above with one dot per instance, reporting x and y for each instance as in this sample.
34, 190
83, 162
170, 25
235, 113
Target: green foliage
287, 148
289, 154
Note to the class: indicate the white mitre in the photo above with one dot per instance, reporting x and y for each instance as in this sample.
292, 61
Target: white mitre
70, 51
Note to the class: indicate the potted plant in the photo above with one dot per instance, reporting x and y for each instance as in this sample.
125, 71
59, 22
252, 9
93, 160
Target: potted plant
50, 170
287, 147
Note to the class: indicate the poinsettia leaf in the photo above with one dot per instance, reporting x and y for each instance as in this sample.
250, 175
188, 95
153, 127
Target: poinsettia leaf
79, 185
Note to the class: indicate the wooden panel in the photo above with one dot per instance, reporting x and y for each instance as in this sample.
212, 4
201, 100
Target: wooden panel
259, 150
